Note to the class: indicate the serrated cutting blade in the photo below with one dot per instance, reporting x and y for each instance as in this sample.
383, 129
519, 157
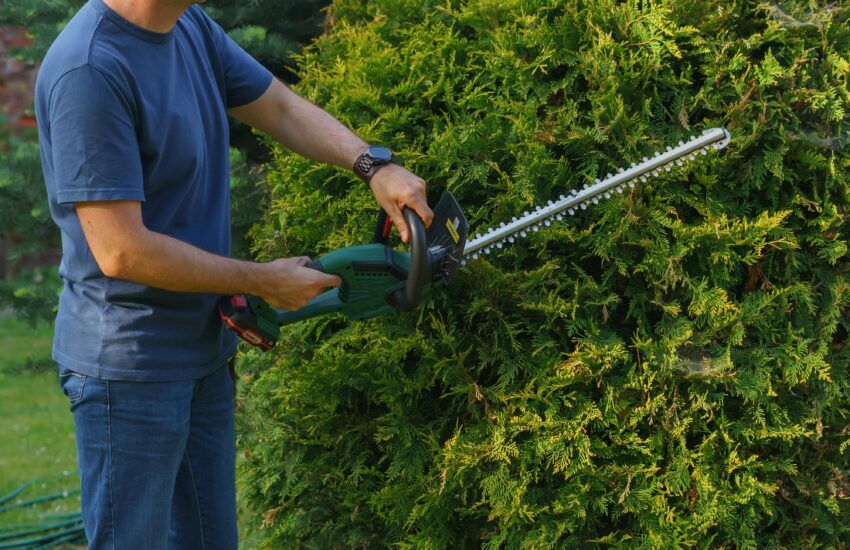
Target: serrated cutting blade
663, 161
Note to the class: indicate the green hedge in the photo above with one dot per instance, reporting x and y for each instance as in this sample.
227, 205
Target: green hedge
667, 368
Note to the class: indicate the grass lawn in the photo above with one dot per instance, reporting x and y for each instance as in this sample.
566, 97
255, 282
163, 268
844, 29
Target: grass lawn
20, 343
37, 429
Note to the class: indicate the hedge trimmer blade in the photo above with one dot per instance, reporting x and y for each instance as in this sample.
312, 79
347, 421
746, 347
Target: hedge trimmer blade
506, 233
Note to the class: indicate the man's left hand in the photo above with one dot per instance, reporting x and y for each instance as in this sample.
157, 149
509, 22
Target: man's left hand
394, 188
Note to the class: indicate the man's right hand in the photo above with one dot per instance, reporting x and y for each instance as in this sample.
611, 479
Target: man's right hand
288, 284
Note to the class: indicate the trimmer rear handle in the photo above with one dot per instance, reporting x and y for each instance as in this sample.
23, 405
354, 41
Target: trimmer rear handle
240, 318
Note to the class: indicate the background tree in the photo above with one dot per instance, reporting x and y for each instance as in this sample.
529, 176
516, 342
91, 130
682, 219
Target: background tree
668, 368
271, 31
25, 227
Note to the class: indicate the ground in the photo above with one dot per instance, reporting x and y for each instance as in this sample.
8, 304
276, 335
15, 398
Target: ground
36, 428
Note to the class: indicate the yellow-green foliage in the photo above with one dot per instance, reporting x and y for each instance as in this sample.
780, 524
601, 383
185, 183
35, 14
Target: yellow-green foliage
669, 367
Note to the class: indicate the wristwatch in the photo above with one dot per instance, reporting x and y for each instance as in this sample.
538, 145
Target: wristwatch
371, 160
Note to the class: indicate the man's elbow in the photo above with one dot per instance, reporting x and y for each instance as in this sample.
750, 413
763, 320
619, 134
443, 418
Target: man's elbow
116, 263
115, 235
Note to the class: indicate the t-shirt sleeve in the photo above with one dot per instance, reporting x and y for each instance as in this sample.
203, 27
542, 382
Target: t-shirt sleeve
245, 78
95, 150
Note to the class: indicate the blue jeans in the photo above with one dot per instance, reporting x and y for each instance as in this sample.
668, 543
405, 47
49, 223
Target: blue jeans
156, 461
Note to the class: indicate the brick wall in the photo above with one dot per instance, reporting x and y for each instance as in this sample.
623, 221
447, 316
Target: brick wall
17, 80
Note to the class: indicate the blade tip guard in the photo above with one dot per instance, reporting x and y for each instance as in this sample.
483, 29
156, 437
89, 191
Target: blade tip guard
727, 138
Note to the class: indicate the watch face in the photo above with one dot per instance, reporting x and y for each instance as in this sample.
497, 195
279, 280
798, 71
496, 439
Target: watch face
380, 153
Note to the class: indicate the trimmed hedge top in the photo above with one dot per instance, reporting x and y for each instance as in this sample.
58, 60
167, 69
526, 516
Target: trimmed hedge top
668, 367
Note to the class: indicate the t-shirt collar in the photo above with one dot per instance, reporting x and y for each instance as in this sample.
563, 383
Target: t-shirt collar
132, 28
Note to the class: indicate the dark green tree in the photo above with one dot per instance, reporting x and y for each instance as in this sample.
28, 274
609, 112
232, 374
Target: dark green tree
669, 368
271, 31
274, 32
25, 227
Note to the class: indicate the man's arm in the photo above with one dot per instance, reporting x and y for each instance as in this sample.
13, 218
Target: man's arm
124, 248
306, 129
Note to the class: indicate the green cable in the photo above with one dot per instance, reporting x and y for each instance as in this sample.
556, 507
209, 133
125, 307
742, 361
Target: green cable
36, 529
74, 515
9, 496
63, 515
29, 543
30, 502
59, 528
4, 528
73, 538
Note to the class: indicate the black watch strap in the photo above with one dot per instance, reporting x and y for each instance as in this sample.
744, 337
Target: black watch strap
371, 160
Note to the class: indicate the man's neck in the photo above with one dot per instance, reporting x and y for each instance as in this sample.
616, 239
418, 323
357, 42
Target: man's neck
153, 15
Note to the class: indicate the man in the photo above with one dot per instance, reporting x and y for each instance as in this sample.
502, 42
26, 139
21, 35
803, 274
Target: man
132, 102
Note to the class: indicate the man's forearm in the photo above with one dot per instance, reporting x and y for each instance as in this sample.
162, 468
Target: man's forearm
313, 133
125, 249
160, 261
302, 126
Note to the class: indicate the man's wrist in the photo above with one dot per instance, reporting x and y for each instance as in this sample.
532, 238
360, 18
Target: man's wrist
255, 277
372, 159
377, 169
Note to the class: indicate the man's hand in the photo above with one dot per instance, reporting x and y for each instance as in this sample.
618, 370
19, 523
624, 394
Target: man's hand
394, 188
288, 284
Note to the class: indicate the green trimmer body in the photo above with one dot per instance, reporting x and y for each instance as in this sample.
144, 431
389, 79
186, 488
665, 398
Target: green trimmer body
376, 278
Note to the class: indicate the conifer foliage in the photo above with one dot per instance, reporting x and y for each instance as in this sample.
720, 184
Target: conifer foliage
667, 368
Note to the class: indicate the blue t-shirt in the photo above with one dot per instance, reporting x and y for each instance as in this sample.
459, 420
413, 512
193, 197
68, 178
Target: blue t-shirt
125, 113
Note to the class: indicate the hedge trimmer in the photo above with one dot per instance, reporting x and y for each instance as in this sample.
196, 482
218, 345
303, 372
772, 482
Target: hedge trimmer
377, 278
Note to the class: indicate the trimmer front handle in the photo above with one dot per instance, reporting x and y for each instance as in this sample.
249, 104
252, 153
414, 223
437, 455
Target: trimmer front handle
407, 297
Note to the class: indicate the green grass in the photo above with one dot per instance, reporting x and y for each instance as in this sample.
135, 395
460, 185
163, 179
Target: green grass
22, 344
36, 427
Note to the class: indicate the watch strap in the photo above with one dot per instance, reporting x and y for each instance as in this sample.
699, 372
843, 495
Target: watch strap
366, 166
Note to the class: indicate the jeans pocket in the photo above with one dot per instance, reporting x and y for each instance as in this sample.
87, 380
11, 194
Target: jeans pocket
72, 385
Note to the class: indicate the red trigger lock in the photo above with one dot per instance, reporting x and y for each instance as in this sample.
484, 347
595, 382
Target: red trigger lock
388, 226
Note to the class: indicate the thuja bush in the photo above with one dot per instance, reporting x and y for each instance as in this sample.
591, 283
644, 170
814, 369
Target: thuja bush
667, 368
